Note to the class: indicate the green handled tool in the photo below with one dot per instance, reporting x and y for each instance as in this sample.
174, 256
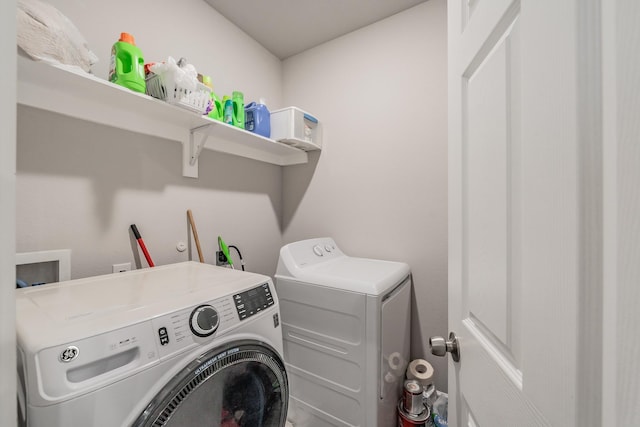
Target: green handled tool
225, 250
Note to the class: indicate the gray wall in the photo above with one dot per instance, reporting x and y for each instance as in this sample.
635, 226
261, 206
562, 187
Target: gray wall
81, 185
189, 29
379, 186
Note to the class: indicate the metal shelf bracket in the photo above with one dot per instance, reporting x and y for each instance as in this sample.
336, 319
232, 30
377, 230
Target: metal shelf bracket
195, 148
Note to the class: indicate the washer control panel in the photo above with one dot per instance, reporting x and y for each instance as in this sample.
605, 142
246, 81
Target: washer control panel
182, 328
253, 301
204, 320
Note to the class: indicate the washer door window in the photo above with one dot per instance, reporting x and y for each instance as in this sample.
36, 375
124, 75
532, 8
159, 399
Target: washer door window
242, 385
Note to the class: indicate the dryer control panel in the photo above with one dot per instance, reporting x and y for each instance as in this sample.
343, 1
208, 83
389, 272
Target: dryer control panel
307, 253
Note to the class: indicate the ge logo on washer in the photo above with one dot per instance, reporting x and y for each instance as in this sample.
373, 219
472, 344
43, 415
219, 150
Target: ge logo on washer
69, 354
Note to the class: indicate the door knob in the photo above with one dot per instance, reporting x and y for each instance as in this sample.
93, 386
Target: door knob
440, 346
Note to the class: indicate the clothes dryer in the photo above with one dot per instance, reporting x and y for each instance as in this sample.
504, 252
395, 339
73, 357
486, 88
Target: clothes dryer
183, 345
346, 328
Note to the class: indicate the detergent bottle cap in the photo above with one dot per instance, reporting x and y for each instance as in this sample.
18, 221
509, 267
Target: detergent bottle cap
206, 80
126, 37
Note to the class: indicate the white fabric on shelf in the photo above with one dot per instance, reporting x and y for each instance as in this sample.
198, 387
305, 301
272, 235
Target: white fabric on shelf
45, 34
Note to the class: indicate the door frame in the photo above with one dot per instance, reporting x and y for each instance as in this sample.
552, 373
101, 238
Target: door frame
621, 213
8, 415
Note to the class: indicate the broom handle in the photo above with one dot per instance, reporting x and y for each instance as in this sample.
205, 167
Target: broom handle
195, 234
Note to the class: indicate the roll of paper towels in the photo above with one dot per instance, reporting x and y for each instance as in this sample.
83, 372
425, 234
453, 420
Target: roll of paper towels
421, 371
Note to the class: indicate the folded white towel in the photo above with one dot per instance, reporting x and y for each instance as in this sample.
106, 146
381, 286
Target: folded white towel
44, 33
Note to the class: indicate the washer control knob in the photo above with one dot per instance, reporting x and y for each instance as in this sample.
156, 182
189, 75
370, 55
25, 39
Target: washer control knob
328, 248
317, 250
204, 320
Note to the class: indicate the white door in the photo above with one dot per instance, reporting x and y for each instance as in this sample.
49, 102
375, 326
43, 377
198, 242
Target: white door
524, 224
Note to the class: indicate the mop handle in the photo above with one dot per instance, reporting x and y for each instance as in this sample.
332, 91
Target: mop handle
142, 246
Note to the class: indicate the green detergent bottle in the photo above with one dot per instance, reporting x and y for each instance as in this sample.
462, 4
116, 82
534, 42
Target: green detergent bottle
127, 64
238, 109
227, 110
216, 113
216, 110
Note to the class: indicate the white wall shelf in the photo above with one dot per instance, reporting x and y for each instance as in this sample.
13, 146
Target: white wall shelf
74, 93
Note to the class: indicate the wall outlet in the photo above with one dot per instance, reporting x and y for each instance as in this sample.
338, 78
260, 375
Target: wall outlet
120, 268
221, 259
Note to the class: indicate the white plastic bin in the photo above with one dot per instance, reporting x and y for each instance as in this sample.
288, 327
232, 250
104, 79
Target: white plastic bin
297, 128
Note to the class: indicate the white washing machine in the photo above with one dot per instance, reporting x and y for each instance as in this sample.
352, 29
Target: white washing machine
183, 345
346, 328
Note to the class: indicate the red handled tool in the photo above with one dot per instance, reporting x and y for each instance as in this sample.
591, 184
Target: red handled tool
138, 237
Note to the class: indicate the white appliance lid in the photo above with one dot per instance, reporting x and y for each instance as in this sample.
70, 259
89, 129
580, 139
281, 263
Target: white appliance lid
84, 307
300, 261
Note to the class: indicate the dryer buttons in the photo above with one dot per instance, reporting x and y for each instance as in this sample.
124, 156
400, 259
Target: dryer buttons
204, 320
317, 250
